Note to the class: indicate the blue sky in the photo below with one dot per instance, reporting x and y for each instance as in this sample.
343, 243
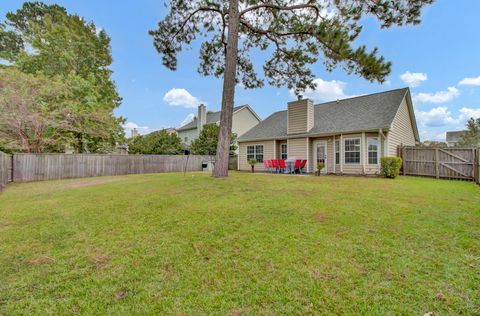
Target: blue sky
438, 59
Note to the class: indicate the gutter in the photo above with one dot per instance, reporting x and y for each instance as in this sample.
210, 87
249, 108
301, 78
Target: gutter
310, 135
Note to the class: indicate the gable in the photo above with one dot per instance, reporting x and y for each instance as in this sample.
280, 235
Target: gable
243, 120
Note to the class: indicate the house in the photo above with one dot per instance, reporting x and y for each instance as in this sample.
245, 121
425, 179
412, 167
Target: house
348, 135
453, 137
244, 118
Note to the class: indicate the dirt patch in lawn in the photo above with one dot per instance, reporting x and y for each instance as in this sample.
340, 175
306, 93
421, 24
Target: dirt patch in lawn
41, 260
320, 217
87, 183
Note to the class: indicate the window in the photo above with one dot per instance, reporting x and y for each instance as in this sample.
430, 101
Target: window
283, 151
352, 151
372, 150
337, 152
255, 152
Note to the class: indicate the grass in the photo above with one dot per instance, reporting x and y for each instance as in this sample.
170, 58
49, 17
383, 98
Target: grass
249, 244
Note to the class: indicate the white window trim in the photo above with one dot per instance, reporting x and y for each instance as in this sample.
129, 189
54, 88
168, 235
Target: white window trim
335, 148
378, 150
255, 154
281, 152
344, 151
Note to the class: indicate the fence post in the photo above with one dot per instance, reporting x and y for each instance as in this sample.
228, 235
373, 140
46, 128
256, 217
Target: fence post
437, 171
12, 173
476, 165
404, 165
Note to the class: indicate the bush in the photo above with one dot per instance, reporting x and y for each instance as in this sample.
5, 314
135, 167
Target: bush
391, 166
252, 163
320, 167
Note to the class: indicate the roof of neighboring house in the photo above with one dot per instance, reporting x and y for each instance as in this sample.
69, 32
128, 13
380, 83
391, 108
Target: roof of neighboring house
454, 136
212, 117
362, 113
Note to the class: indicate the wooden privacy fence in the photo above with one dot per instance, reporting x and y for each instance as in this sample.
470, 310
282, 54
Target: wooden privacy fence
5, 169
38, 167
448, 163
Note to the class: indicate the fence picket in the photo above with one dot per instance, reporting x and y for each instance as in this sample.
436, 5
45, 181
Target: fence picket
449, 163
39, 167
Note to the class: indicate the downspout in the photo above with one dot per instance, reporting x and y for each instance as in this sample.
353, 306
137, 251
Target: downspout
385, 143
362, 152
379, 149
334, 156
341, 153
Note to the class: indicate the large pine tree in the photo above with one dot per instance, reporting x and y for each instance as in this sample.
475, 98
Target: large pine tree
298, 32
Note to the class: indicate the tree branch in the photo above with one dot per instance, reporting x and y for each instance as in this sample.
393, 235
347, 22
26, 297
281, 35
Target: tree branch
283, 8
205, 9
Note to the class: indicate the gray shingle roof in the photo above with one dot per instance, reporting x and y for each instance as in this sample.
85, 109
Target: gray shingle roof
212, 117
363, 113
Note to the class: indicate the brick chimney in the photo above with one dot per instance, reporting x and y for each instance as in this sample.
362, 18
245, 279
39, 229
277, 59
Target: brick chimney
201, 117
300, 116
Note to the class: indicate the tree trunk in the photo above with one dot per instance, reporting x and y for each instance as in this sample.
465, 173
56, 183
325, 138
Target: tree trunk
228, 97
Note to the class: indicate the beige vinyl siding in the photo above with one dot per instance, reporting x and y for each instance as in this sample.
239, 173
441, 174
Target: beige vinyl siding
401, 131
297, 147
242, 156
311, 116
190, 133
243, 120
300, 116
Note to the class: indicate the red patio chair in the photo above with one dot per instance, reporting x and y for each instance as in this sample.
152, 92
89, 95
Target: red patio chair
265, 165
270, 165
275, 165
302, 166
282, 165
297, 165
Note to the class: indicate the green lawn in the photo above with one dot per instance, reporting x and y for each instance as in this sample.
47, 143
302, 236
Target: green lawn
249, 244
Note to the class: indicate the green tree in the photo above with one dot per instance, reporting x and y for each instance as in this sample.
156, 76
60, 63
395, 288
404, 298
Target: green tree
158, 143
34, 112
60, 44
433, 143
298, 33
472, 137
207, 142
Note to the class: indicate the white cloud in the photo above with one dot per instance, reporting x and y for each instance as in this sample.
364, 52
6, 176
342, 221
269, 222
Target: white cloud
181, 97
437, 97
436, 117
188, 119
326, 91
467, 113
470, 82
427, 135
413, 79
129, 126
435, 122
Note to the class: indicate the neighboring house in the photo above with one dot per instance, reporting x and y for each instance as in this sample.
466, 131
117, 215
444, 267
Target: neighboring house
349, 135
454, 137
244, 118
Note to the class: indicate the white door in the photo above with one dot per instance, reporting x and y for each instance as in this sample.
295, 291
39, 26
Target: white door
320, 154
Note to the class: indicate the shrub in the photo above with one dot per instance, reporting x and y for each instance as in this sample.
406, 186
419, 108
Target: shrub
391, 166
320, 167
252, 163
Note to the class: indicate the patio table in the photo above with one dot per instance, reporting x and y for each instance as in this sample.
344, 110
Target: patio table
290, 163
